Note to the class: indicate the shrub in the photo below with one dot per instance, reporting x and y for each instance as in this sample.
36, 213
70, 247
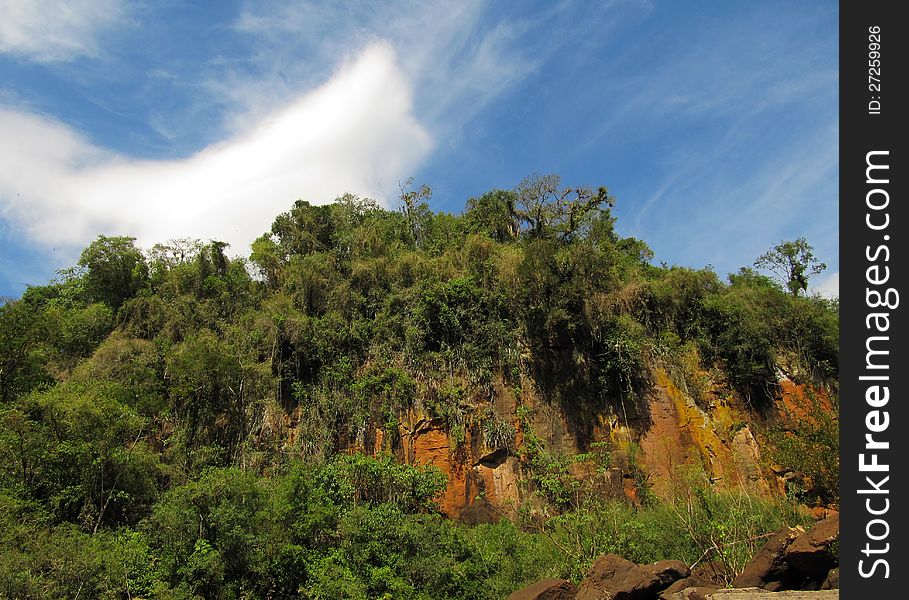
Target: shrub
812, 451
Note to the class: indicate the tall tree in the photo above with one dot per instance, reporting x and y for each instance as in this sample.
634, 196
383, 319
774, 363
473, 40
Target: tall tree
549, 209
494, 214
415, 207
115, 270
792, 264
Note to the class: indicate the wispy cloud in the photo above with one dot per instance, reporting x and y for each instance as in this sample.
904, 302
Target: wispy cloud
45, 31
698, 122
730, 211
737, 160
355, 133
457, 56
413, 74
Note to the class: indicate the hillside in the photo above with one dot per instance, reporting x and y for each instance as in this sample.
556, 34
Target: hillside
403, 404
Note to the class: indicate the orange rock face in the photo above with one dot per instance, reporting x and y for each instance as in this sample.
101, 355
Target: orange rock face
494, 476
429, 445
672, 432
681, 433
663, 446
800, 401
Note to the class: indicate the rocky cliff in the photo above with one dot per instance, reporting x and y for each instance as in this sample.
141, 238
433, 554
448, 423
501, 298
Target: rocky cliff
622, 448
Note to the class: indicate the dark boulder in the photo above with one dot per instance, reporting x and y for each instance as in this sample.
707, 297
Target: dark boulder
668, 571
811, 555
832, 582
548, 589
613, 578
794, 560
767, 569
703, 578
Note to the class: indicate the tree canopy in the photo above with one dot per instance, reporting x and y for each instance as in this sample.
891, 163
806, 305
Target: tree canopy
184, 423
792, 263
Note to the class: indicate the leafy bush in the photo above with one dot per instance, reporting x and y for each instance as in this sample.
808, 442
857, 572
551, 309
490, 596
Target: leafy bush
812, 452
498, 433
698, 525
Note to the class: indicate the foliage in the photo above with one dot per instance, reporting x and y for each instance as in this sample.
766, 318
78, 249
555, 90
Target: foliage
181, 423
498, 433
698, 525
115, 270
793, 263
811, 451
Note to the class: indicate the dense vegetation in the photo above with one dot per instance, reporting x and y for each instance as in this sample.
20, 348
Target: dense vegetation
145, 396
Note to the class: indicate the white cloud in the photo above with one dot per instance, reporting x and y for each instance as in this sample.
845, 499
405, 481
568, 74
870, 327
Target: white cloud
355, 133
456, 55
828, 286
48, 31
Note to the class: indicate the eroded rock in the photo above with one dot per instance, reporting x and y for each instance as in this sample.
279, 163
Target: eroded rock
668, 571
548, 589
613, 578
767, 569
794, 560
810, 555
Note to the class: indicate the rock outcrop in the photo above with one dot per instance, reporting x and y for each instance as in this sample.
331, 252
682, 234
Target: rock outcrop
613, 578
796, 560
669, 428
548, 589
705, 577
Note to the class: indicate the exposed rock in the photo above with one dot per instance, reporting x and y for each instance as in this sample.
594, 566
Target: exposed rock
709, 574
678, 586
767, 569
793, 560
832, 582
630, 489
681, 432
613, 578
747, 456
704, 576
429, 445
819, 513
673, 425
666, 444
548, 589
493, 459
800, 401
810, 554
481, 511
668, 571
689, 593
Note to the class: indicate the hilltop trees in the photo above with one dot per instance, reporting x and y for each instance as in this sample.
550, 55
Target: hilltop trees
792, 263
172, 425
114, 269
494, 214
415, 208
549, 209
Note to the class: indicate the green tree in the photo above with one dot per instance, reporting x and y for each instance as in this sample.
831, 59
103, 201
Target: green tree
22, 357
548, 208
494, 214
115, 269
792, 263
415, 208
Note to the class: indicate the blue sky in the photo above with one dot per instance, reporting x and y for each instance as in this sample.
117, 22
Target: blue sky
714, 123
